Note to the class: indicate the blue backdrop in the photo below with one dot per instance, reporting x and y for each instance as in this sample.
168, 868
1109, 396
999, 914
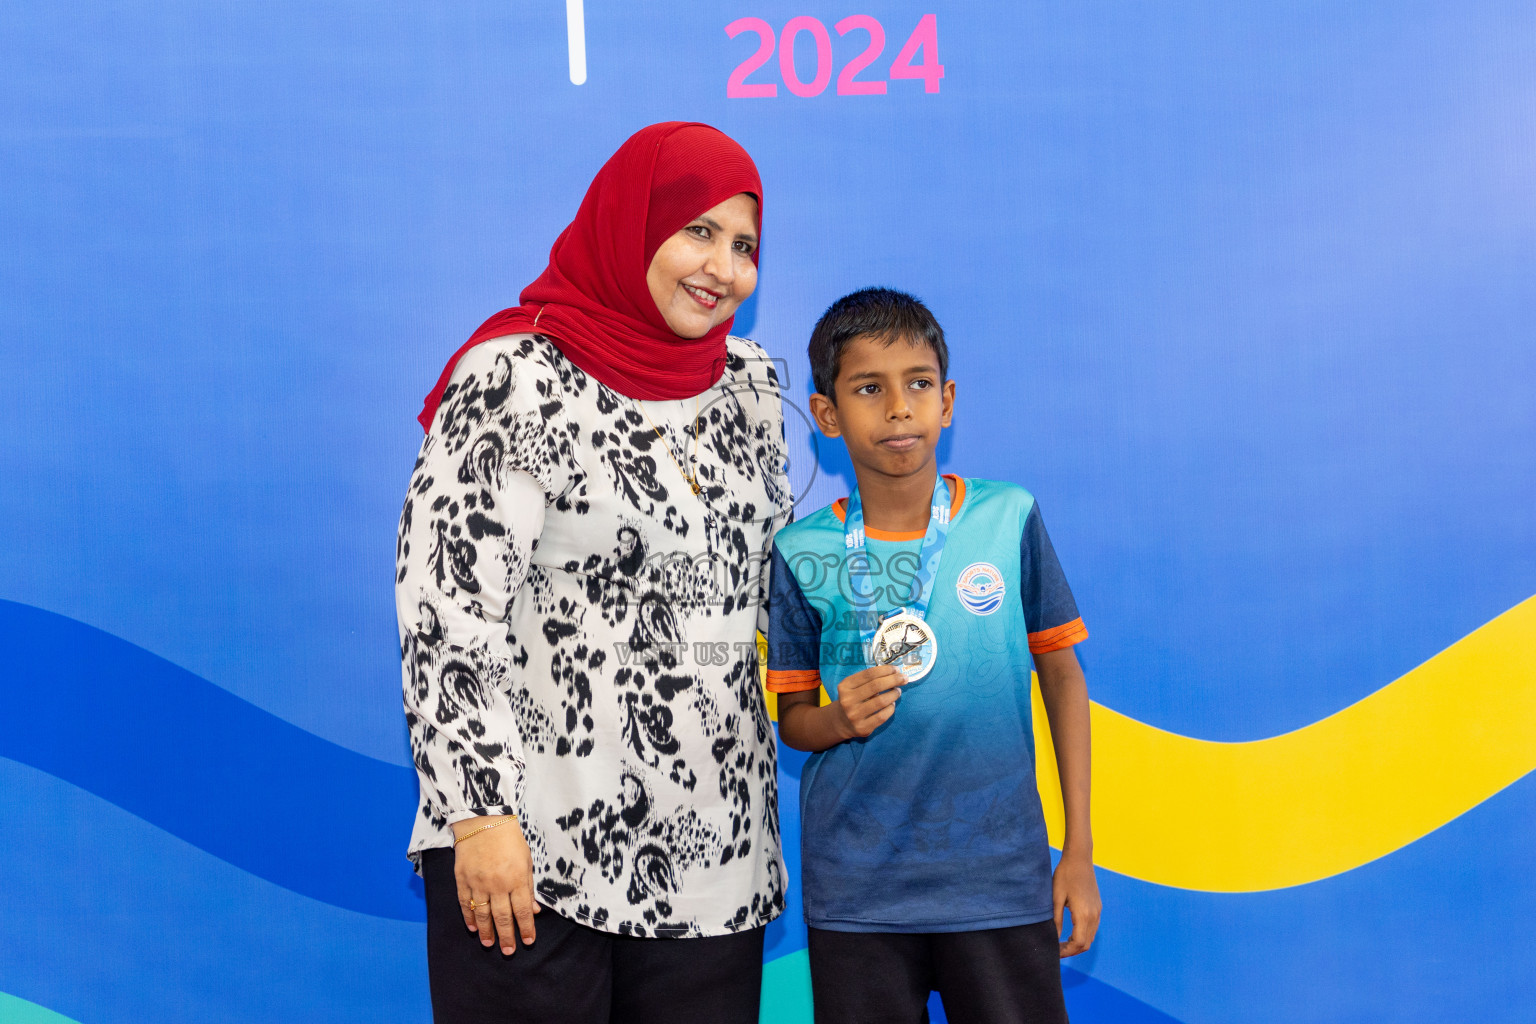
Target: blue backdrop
1243, 293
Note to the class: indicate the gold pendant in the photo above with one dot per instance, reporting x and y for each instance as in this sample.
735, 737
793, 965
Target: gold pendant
696, 488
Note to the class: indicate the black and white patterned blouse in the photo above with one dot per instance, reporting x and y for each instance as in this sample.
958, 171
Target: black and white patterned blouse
577, 634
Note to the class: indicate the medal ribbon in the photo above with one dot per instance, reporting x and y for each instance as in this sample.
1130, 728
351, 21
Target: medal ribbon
860, 579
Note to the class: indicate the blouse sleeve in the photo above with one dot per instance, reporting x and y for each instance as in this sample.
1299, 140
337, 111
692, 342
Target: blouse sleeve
471, 519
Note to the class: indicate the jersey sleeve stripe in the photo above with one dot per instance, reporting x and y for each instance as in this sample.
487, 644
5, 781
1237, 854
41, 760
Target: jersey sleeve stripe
1058, 637
793, 680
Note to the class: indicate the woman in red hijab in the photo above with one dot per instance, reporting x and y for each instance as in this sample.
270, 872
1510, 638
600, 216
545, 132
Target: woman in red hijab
579, 573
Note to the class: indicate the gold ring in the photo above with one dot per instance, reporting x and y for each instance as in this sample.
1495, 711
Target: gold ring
475, 906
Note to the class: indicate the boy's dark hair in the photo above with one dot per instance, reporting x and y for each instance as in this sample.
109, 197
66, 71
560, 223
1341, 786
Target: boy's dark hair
884, 314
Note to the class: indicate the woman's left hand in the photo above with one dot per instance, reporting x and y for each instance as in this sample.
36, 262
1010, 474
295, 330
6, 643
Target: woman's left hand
494, 872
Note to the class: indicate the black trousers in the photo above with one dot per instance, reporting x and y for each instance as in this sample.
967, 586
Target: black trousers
996, 976
574, 974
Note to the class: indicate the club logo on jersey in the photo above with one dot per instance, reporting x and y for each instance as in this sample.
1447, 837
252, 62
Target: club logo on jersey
981, 588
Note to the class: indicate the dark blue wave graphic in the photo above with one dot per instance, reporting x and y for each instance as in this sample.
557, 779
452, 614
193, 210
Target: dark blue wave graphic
206, 766
1091, 1001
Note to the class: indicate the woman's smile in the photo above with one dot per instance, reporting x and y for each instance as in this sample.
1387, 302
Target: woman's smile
702, 274
707, 299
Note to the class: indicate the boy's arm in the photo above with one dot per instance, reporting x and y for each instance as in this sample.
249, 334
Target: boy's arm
865, 700
1064, 692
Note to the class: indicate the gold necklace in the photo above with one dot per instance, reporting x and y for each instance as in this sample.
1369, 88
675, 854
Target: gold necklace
667, 447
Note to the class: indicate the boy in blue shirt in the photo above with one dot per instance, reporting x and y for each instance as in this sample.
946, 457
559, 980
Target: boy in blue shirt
918, 602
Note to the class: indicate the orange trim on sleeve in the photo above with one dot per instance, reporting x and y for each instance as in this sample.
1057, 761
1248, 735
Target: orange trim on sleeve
1057, 638
956, 496
793, 680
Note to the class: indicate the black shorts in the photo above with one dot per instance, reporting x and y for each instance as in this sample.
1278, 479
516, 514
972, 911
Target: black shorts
573, 974
996, 976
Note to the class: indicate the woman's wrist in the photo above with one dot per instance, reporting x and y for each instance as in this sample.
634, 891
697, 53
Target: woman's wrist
463, 826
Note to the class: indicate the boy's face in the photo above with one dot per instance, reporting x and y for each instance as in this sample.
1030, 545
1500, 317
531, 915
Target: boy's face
891, 405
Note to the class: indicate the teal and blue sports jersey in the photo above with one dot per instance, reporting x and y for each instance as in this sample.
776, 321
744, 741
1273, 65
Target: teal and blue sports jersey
932, 823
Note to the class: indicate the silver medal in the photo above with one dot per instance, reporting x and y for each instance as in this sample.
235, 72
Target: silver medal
906, 641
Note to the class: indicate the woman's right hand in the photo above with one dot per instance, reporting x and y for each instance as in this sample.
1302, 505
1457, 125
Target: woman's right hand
494, 871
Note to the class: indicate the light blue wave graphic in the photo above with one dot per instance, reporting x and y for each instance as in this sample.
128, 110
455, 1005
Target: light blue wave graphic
14, 1010
204, 765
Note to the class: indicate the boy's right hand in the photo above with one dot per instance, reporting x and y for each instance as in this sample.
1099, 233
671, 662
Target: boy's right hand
867, 699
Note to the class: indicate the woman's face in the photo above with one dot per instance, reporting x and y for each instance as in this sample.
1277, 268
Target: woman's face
704, 272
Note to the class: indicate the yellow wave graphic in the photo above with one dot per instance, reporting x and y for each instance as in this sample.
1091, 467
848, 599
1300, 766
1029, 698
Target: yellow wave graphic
1308, 804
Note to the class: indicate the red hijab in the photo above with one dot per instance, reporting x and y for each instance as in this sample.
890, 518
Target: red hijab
592, 300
